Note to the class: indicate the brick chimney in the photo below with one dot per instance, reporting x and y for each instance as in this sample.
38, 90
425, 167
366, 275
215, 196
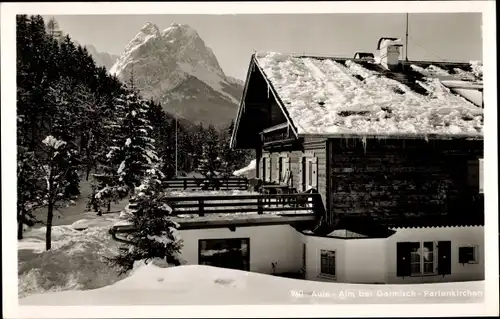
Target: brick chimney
389, 51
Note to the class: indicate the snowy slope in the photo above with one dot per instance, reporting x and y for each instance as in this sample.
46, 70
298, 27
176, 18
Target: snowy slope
176, 68
206, 285
327, 97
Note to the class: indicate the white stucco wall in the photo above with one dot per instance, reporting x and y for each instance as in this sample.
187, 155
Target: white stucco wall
352, 259
459, 236
313, 253
365, 261
268, 244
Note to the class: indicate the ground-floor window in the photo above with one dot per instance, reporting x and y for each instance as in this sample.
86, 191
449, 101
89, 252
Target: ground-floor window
327, 266
231, 253
467, 255
423, 258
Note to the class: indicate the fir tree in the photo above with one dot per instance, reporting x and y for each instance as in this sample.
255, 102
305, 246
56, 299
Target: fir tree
155, 233
131, 149
29, 192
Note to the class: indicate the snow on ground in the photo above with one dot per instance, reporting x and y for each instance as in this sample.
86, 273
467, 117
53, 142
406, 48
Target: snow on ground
206, 285
74, 261
324, 97
248, 170
79, 241
76, 209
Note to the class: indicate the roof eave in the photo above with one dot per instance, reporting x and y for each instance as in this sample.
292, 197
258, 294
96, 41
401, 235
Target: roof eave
395, 136
277, 98
232, 144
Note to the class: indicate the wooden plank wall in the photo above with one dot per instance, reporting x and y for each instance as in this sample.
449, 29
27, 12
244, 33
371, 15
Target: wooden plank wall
318, 147
397, 180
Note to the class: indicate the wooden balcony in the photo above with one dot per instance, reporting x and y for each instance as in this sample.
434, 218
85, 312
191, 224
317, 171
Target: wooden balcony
219, 183
240, 210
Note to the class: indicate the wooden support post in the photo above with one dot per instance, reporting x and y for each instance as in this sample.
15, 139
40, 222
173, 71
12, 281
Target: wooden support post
259, 206
185, 184
201, 208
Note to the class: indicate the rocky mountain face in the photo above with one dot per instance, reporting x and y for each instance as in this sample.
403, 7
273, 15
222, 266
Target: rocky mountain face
177, 69
102, 58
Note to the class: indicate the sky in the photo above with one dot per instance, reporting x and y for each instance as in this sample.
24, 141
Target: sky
234, 38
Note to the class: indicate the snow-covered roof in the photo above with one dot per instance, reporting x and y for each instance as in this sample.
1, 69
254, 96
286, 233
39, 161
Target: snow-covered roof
335, 96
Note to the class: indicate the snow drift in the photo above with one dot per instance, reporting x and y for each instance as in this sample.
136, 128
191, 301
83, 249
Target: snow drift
75, 260
206, 285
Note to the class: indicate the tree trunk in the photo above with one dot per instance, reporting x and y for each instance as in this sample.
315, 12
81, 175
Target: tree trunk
88, 173
20, 225
20, 219
48, 235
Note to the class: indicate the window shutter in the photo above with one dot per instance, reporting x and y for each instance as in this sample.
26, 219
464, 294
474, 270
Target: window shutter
444, 257
314, 172
403, 260
261, 168
462, 256
277, 173
300, 181
269, 169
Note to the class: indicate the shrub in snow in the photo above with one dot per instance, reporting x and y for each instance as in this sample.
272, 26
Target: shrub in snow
155, 235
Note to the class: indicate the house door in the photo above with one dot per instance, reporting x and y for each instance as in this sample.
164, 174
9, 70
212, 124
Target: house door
230, 253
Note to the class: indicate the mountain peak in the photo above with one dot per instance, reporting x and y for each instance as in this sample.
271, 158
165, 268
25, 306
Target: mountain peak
177, 68
179, 30
150, 28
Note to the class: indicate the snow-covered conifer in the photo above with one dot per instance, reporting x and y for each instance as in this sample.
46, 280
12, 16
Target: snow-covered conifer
155, 234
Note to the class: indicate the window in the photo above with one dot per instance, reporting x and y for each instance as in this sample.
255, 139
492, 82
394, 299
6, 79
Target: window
310, 176
226, 253
310, 168
467, 255
280, 169
423, 258
327, 267
283, 174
